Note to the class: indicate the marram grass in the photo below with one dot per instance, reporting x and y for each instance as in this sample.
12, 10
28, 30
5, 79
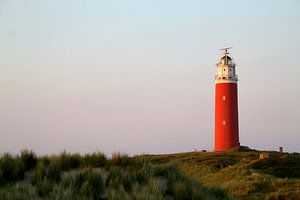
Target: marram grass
223, 175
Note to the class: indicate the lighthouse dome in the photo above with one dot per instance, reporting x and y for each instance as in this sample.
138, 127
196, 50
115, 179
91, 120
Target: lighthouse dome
226, 59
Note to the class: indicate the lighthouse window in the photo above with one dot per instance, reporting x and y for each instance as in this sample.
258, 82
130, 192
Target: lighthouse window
223, 123
224, 98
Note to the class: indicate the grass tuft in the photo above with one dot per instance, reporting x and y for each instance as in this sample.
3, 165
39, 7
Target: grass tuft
121, 160
11, 169
47, 172
29, 159
96, 159
85, 183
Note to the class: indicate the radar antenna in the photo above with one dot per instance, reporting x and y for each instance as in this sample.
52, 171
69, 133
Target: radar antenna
226, 50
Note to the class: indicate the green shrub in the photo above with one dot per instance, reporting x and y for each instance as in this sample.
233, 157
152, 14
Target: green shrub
7, 167
143, 174
118, 193
150, 191
129, 176
50, 172
2, 181
97, 159
6, 163
218, 193
283, 196
121, 160
285, 166
181, 191
44, 187
113, 178
154, 186
40, 173
261, 186
86, 183
182, 187
29, 159
18, 169
45, 160
77, 181
119, 176
54, 172
12, 169
165, 169
139, 161
94, 185
60, 193
68, 161
17, 191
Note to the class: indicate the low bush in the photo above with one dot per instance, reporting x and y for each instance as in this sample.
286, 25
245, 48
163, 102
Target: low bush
181, 190
29, 159
44, 187
68, 161
72, 176
128, 176
86, 183
47, 172
119, 176
283, 196
139, 161
18, 191
95, 184
118, 193
183, 187
151, 190
121, 160
261, 186
285, 166
218, 193
2, 181
11, 169
143, 174
97, 159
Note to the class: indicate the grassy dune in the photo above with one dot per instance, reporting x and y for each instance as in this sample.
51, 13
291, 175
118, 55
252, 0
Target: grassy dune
196, 175
241, 175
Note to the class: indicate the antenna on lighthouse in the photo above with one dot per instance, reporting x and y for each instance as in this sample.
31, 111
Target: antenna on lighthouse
226, 50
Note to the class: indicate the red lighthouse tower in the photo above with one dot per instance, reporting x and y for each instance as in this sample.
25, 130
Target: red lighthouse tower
226, 104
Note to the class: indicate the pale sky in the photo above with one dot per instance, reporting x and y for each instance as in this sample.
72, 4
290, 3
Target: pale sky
137, 76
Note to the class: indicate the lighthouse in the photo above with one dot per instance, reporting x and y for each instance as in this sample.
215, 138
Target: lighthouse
226, 104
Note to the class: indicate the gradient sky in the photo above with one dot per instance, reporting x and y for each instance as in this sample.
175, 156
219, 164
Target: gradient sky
137, 76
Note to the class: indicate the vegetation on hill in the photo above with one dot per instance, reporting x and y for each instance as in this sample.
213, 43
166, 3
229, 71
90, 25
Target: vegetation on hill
93, 176
236, 174
242, 175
